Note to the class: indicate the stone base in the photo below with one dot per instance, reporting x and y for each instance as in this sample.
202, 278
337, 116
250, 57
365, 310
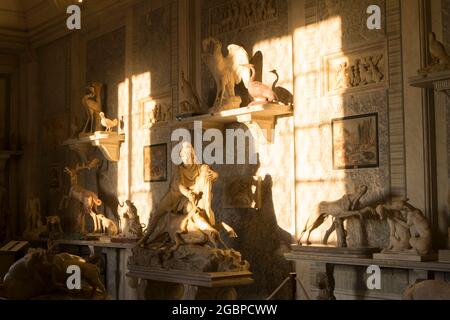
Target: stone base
324, 250
444, 256
405, 257
156, 283
193, 258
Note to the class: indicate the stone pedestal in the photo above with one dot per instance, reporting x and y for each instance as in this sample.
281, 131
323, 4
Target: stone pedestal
156, 283
398, 256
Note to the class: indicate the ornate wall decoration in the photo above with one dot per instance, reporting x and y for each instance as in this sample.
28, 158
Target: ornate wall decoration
356, 70
242, 192
155, 109
238, 14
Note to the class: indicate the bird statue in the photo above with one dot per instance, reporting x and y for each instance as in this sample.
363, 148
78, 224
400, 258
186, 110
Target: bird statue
283, 94
93, 104
226, 70
258, 90
191, 96
108, 123
437, 51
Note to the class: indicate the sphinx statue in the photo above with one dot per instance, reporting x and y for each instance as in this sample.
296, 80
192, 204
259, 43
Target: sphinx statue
182, 229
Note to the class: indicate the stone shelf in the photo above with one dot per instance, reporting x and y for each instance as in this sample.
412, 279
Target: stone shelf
264, 115
439, 81
343, 259
108, 143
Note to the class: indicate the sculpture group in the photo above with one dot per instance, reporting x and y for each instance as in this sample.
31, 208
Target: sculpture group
182, 232
409, 230
230, 70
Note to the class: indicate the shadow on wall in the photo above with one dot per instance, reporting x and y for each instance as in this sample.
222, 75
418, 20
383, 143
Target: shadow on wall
260, 240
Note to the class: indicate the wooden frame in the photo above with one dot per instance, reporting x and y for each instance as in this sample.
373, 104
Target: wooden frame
355, 143
158, 172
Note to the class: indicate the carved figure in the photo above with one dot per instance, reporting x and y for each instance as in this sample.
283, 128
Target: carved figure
108, 123
88, 199
377, 76
226, 70
130, 225
399, 234
420, 230
437, 51
109, 227
339, 210
259, 91
283, 94
190, 188
92, 102
409, 229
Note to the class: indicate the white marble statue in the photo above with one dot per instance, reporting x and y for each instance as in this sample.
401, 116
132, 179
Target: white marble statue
182, 233
409, 230
88, 199
108, 123
130, 225
399, 234
190, 191
227, 71
441, 59
341, 209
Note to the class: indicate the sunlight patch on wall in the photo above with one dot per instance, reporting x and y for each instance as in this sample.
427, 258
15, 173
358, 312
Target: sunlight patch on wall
277, 55
123, 112
316, 180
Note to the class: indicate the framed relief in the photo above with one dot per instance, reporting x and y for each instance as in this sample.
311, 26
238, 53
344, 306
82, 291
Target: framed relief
355, 142
242, 192
155, 163
155, 110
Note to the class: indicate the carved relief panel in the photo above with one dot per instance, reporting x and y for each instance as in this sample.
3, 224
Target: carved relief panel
154, 110
360, 69
239, 14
